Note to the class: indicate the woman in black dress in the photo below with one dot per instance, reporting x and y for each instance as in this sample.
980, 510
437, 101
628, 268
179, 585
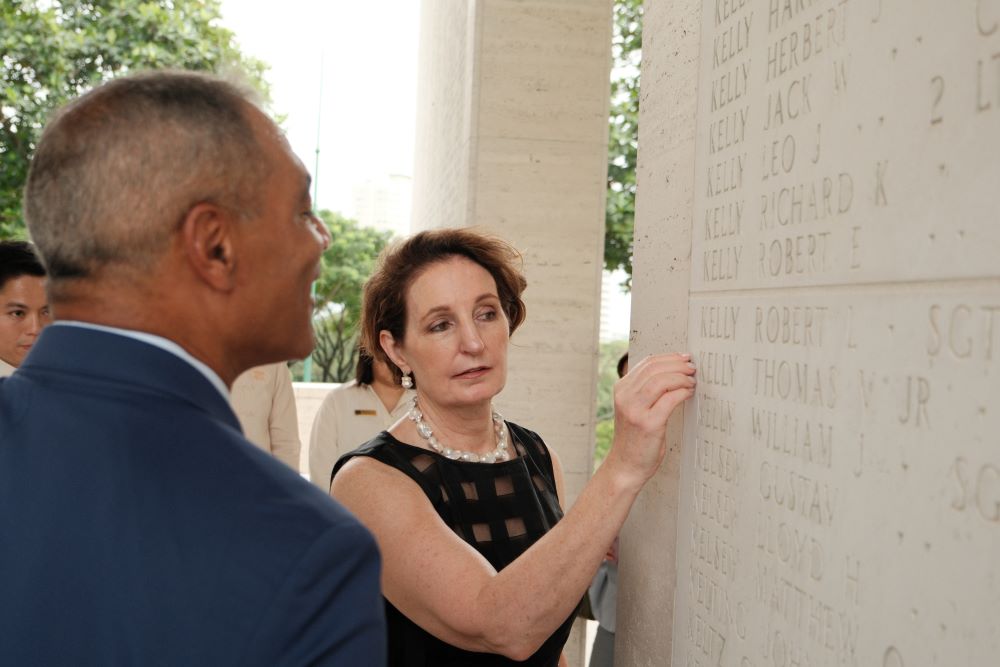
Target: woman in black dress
480, 567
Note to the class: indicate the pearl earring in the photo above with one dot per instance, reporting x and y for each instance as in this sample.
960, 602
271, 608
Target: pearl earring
406, 381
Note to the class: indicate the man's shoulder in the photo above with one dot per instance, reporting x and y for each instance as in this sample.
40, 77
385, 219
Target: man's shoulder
295, 498
295, 508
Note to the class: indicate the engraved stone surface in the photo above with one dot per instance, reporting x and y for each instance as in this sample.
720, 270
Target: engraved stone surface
839, 493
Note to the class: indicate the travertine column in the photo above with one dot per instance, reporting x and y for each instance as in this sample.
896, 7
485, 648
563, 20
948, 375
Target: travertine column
661, 278
512, 137
838, 501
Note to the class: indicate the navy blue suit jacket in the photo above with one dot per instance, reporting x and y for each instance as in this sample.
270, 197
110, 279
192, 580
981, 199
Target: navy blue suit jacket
139, 527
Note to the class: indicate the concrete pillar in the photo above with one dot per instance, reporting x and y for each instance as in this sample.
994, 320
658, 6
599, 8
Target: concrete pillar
308, 397
512, 137
661, 279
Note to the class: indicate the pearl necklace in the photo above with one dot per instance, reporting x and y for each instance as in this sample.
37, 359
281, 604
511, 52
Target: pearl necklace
498, 454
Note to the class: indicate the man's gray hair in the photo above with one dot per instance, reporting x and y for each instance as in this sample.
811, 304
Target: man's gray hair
117, 169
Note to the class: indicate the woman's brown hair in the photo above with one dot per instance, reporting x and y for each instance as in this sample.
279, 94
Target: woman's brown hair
383, 305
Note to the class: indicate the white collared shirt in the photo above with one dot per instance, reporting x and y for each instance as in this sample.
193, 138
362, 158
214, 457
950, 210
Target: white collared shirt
349, 416
264, 402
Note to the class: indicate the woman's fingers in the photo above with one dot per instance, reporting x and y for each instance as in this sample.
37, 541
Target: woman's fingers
670, 400
652, 382
646, 396
644, 401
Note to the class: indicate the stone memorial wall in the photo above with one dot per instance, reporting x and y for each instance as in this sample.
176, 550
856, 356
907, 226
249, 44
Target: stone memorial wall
838, 498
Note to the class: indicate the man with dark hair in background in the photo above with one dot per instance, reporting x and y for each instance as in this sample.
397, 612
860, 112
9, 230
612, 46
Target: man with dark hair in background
25, 306
139, 526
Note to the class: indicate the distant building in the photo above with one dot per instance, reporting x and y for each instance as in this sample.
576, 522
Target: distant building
384, 203
616, 307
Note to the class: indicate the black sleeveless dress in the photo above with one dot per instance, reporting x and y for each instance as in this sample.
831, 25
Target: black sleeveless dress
500, 509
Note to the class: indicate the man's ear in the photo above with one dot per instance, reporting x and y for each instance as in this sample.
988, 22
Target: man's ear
388, 343
207, 233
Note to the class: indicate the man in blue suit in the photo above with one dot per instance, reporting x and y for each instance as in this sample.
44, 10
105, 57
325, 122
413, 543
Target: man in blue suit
137, 525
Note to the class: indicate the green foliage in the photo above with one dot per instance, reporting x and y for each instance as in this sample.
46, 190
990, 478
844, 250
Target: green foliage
346, 265
605, 434
52, 50
607, 375
623, 138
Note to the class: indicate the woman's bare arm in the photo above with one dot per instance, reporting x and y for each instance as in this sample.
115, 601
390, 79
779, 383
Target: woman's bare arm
449, 589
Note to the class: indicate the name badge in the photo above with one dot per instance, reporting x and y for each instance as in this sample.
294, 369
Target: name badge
365, 413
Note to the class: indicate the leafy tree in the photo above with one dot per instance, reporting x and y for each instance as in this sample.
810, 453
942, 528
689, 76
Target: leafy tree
607, 375
623, 136
52, 50
346, 265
